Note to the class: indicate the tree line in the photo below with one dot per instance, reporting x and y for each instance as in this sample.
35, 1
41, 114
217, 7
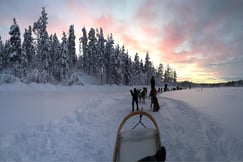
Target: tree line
42, 58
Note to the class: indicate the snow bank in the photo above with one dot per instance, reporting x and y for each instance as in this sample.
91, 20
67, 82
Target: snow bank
35, 76
223, 105
190, 135
6, 78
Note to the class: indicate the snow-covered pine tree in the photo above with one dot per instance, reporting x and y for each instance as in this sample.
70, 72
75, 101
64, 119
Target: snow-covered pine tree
113, 63
172, 77
167, 74
14, 55
119, 66
100, 53
51, 50
147, 69
28, 49
79, 63
142, 73
116, 71
161, 72
128, 69
46, 58
84, 54
109, 50
64, 58
136, 71
147, 62
6, 50
42, 51
56, 57
123, 64
71, 47
175, 76
24, 58
142, 66
1, 55
92, 52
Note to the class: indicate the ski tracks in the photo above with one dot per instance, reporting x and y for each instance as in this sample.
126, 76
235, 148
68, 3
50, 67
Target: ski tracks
192, 136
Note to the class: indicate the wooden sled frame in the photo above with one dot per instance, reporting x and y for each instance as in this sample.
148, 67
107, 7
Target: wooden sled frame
117, 144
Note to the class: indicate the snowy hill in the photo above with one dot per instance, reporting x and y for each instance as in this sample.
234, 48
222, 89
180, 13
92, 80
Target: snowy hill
43, 122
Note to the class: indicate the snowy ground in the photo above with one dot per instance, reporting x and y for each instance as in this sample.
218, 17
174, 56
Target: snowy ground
55, 123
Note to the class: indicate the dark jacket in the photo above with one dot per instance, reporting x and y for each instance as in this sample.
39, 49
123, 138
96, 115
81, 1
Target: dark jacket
152, 82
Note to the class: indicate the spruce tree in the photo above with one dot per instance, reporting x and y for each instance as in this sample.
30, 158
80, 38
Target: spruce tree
6, 51
28, 48
71, 47
92, 50
161, 72
136, 70
123, 65
64, 58
128, 69
14, 56
174, 79
109, 50
1, 55
147, 69
56, 57
42, 51
100, 53
116, 75
24, 58
84, 44
167, 74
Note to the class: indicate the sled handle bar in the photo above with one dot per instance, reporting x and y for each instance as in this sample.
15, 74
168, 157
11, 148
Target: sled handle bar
124, 121
134, 114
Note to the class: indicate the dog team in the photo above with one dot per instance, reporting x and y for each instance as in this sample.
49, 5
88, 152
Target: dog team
140, 95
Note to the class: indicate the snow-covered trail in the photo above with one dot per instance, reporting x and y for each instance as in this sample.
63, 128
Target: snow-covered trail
85, 133
192, 136
86, 129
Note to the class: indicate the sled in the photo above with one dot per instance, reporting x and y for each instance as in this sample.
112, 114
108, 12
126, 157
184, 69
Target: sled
136, 143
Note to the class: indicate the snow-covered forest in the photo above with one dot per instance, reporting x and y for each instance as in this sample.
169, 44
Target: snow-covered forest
43, 58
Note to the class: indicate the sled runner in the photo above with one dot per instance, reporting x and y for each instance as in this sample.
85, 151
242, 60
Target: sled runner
138, 142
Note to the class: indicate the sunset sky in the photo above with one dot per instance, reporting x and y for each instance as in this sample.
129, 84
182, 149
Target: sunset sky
201, 39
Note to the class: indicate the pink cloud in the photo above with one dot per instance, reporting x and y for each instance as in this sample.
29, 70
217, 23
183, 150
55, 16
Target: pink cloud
107, 22
148, 12
150, 32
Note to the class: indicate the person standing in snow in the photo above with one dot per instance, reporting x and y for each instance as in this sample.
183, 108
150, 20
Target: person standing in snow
134, 94
152, 82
